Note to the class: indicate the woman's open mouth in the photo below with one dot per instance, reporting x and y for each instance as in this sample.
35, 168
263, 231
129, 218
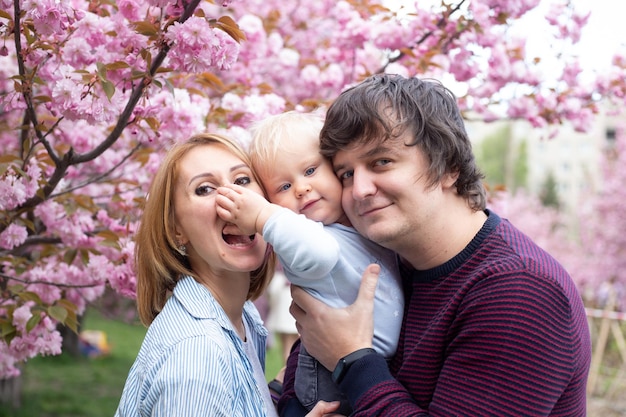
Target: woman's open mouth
238, 240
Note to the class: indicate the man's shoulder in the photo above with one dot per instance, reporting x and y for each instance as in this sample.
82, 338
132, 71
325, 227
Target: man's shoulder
508, 250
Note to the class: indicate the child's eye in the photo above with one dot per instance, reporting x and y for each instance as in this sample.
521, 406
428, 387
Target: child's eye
345, 175
204, 189
243, 181
382, 162
309, 171
284, 187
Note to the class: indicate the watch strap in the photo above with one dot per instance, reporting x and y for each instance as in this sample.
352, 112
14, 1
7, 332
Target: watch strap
344, 363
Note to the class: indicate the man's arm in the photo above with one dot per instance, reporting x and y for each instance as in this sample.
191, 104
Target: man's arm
332, 333
517, 353
288, 404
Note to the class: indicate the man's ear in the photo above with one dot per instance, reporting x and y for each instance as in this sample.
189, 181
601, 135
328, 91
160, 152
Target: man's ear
449, 179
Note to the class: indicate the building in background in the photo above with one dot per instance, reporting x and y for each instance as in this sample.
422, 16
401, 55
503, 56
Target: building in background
571, 158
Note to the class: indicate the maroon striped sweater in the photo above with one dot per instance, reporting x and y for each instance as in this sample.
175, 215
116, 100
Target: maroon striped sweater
499, 330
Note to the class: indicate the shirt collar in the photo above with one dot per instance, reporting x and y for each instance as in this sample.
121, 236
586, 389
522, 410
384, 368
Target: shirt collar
200, 303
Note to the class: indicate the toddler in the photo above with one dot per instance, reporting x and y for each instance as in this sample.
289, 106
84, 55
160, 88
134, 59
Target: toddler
312, 237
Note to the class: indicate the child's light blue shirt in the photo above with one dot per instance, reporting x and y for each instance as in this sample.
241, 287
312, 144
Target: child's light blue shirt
328, 262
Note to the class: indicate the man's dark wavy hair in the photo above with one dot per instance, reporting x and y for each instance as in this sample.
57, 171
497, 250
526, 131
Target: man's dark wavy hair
384, 106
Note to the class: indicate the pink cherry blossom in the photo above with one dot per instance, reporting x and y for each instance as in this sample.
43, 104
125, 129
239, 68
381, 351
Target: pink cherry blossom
49, 17
21, 315
197, 47
14, 235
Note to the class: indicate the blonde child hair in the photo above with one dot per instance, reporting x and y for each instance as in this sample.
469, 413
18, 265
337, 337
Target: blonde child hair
272, 135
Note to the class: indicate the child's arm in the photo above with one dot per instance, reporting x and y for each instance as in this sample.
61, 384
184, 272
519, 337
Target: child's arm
243, 207
303, 247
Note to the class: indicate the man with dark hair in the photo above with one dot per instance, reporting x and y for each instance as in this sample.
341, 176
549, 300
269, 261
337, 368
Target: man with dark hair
493, 325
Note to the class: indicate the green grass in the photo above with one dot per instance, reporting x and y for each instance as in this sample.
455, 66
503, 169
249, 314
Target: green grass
63, 386
273, 361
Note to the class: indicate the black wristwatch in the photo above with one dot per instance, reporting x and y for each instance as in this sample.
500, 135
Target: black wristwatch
276, 386
344, 363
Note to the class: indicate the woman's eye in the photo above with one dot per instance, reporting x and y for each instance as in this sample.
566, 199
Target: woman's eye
309, 171
204, 189
243, 181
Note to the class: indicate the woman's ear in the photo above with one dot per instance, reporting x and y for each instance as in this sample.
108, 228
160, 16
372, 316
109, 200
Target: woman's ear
179, 235
181, 242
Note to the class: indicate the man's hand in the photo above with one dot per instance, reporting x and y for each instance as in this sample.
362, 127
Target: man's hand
243, 207
331, 333
323, 408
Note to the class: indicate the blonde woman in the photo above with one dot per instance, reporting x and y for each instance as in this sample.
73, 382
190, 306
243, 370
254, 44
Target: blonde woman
204, 352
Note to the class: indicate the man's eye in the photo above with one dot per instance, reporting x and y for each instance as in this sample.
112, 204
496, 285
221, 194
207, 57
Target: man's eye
309, 171
382, 162
204, 190
243, 181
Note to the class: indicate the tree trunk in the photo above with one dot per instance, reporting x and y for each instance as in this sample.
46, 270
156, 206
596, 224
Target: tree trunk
70, 343
11, 392
11, 388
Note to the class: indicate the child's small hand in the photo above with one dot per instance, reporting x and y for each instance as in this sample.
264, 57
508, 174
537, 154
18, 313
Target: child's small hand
242, 207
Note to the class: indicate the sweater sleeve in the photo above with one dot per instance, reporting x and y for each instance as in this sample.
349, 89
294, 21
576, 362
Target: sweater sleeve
511, 346
305, 249
370, 378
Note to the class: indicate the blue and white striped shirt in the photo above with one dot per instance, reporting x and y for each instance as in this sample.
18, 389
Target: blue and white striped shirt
192, 363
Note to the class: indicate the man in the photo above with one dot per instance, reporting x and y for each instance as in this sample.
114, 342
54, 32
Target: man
493, 325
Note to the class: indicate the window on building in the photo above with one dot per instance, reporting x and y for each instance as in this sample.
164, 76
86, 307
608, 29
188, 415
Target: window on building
610, 134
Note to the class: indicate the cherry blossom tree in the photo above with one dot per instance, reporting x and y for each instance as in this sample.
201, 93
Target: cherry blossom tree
592, 246
599, 263
92, 93
546, 225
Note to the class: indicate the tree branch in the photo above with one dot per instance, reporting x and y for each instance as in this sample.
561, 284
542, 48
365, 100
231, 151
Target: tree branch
440, 24
135, 95
72, 158
101, 176
56, 284
27, 85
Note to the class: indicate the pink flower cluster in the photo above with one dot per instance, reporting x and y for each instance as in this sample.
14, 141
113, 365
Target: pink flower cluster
16, 188
198, 47
42, 340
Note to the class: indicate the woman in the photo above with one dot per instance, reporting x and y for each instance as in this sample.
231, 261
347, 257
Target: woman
204, 351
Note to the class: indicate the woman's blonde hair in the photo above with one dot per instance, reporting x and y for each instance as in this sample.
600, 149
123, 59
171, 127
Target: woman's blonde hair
158, 263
